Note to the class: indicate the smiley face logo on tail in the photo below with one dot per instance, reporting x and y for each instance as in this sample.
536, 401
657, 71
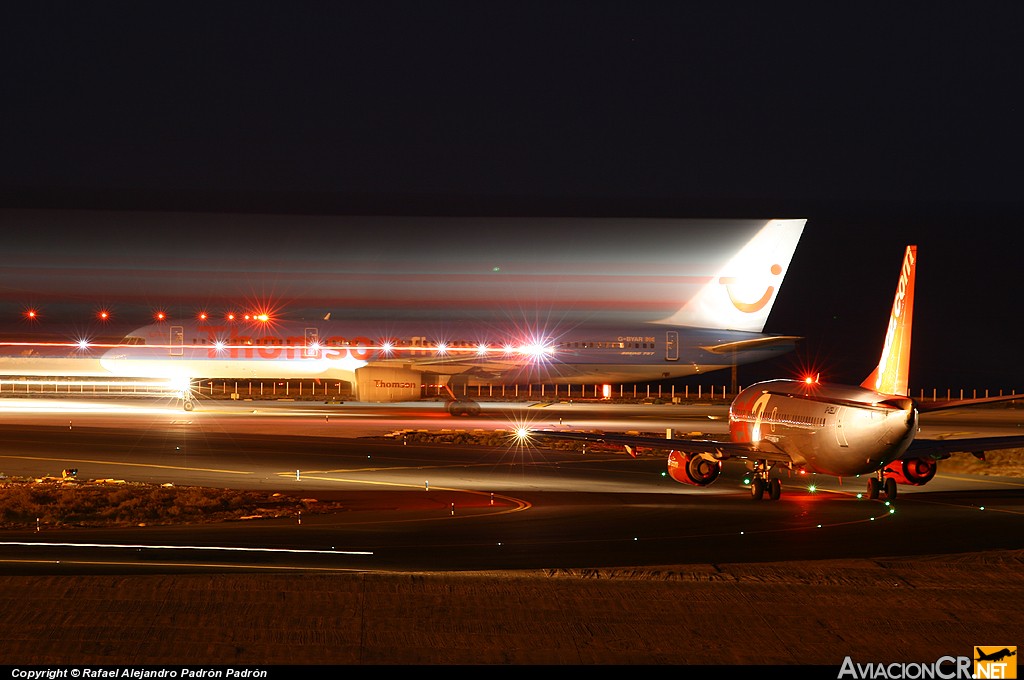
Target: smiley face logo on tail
740, 293
759, 303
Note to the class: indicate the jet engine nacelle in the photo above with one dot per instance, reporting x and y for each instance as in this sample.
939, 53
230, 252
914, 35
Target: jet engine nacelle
693, 468
915, 472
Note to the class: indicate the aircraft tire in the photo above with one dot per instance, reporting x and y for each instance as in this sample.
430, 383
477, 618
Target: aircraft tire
873, 488
890, 489
464, 408
757, 488
775, 489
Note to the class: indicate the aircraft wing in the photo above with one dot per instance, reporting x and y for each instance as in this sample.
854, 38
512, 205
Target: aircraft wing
942, 448
721, 450
454, 364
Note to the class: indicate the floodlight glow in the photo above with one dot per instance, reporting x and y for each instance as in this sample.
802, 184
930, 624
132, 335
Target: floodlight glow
181, 384
536, 350
83, 344
481, 349
219, 345
442, 348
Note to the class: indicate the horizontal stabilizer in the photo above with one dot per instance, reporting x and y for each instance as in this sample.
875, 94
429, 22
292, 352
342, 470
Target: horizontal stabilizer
787, 341
942, 448
946, 404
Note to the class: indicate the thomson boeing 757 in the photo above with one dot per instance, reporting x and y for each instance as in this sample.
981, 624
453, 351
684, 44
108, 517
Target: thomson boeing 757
719, 326
837, 430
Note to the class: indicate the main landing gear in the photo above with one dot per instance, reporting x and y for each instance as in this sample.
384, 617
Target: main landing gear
463, 407
882, 485
187, 398
762, 481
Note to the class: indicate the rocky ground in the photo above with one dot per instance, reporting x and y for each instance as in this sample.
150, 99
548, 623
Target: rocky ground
71, 502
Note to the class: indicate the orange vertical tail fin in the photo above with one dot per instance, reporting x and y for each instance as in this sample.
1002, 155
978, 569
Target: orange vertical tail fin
891, 376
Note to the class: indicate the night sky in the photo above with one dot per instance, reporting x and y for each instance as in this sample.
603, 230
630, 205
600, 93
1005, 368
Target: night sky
883, 125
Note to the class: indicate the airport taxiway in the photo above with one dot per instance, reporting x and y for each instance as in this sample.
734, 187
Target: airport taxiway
583, 559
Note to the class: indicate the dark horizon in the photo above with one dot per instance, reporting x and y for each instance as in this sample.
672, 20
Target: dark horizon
883, 126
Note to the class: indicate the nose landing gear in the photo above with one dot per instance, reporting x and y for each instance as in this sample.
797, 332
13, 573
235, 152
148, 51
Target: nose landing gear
882, 485
762, 481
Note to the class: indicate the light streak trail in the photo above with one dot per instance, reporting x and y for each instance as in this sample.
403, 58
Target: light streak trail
140, 546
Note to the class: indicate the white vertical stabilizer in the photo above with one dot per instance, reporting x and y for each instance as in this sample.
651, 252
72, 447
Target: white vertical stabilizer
741, 294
